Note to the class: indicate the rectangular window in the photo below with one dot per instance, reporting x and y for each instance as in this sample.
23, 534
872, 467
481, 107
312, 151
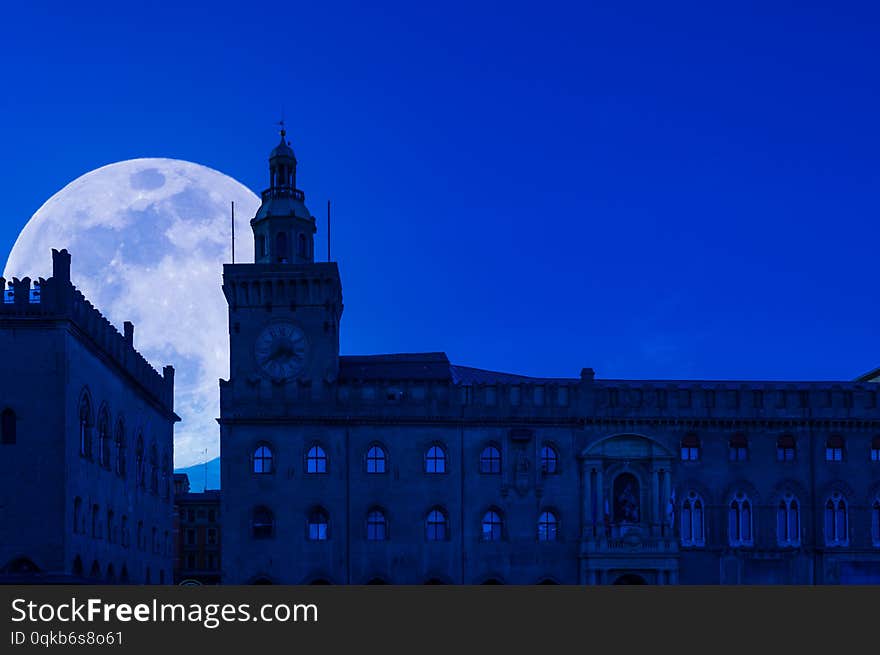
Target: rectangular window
539, 395
190, 537
690, 454
514, 395
834, 454
212, 536
212, 516
739, 453
562, 396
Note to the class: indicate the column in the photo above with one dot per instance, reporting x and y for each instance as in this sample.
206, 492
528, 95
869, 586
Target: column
656, 505
667, 493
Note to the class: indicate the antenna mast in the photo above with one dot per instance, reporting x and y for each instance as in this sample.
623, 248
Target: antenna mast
328, 230
233, 231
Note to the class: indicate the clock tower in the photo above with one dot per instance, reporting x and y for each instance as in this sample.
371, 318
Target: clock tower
284, 308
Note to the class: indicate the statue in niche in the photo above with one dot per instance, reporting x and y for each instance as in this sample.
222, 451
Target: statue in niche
626, 498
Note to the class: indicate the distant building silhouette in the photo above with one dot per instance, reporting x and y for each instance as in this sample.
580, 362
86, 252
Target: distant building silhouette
197, 534
409, 469
86, 442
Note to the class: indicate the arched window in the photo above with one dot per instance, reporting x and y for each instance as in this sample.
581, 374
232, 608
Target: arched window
376, 459
690, 448
139, 463
261, 246
739, 448
111, 536
785, 448
7, 427
549, 460
120, 449
301, 246
166, 476
548, 526
318, 525
788, 521
96, 522
77, 569
85, 426
104, 439
834, 448
154, 469
693, 530
435, 460
95, 572
263, 460
875, 522
490, 460
436, 525
316, 460
263, 523
281, 255
492, 526
377, 525
836, 521
77, 515
740, 521
875, 449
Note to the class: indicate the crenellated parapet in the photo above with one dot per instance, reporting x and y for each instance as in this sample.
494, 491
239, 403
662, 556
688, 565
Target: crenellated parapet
56, 298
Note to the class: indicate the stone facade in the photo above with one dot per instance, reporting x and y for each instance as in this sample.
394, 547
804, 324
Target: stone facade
409, 469
87, 442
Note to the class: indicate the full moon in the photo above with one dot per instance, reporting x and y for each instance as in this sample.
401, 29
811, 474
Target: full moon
148, 239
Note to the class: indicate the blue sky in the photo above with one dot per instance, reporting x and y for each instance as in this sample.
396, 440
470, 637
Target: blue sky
656, 190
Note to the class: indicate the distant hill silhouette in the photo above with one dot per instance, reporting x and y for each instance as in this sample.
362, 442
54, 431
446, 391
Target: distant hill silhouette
197, 475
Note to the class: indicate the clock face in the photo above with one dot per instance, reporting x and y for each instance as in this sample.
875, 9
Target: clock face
281, 350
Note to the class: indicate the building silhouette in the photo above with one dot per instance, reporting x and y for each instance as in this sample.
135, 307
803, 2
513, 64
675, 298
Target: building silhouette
86, 442
410, 469
197, 534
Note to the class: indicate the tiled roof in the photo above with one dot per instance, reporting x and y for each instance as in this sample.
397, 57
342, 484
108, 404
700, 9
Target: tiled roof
468, 375
401, 366
421, 366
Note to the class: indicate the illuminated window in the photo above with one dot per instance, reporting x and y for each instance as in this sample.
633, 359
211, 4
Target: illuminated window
834, 449
490, 460
785, 448
491, 526
263, 460
377, 525
788, 525
693, 531
836, 521
739, 448
548, 526
435, 460
316, 460
740, 521
436, 526
318, 525
690, 448
549, 460
376, 459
